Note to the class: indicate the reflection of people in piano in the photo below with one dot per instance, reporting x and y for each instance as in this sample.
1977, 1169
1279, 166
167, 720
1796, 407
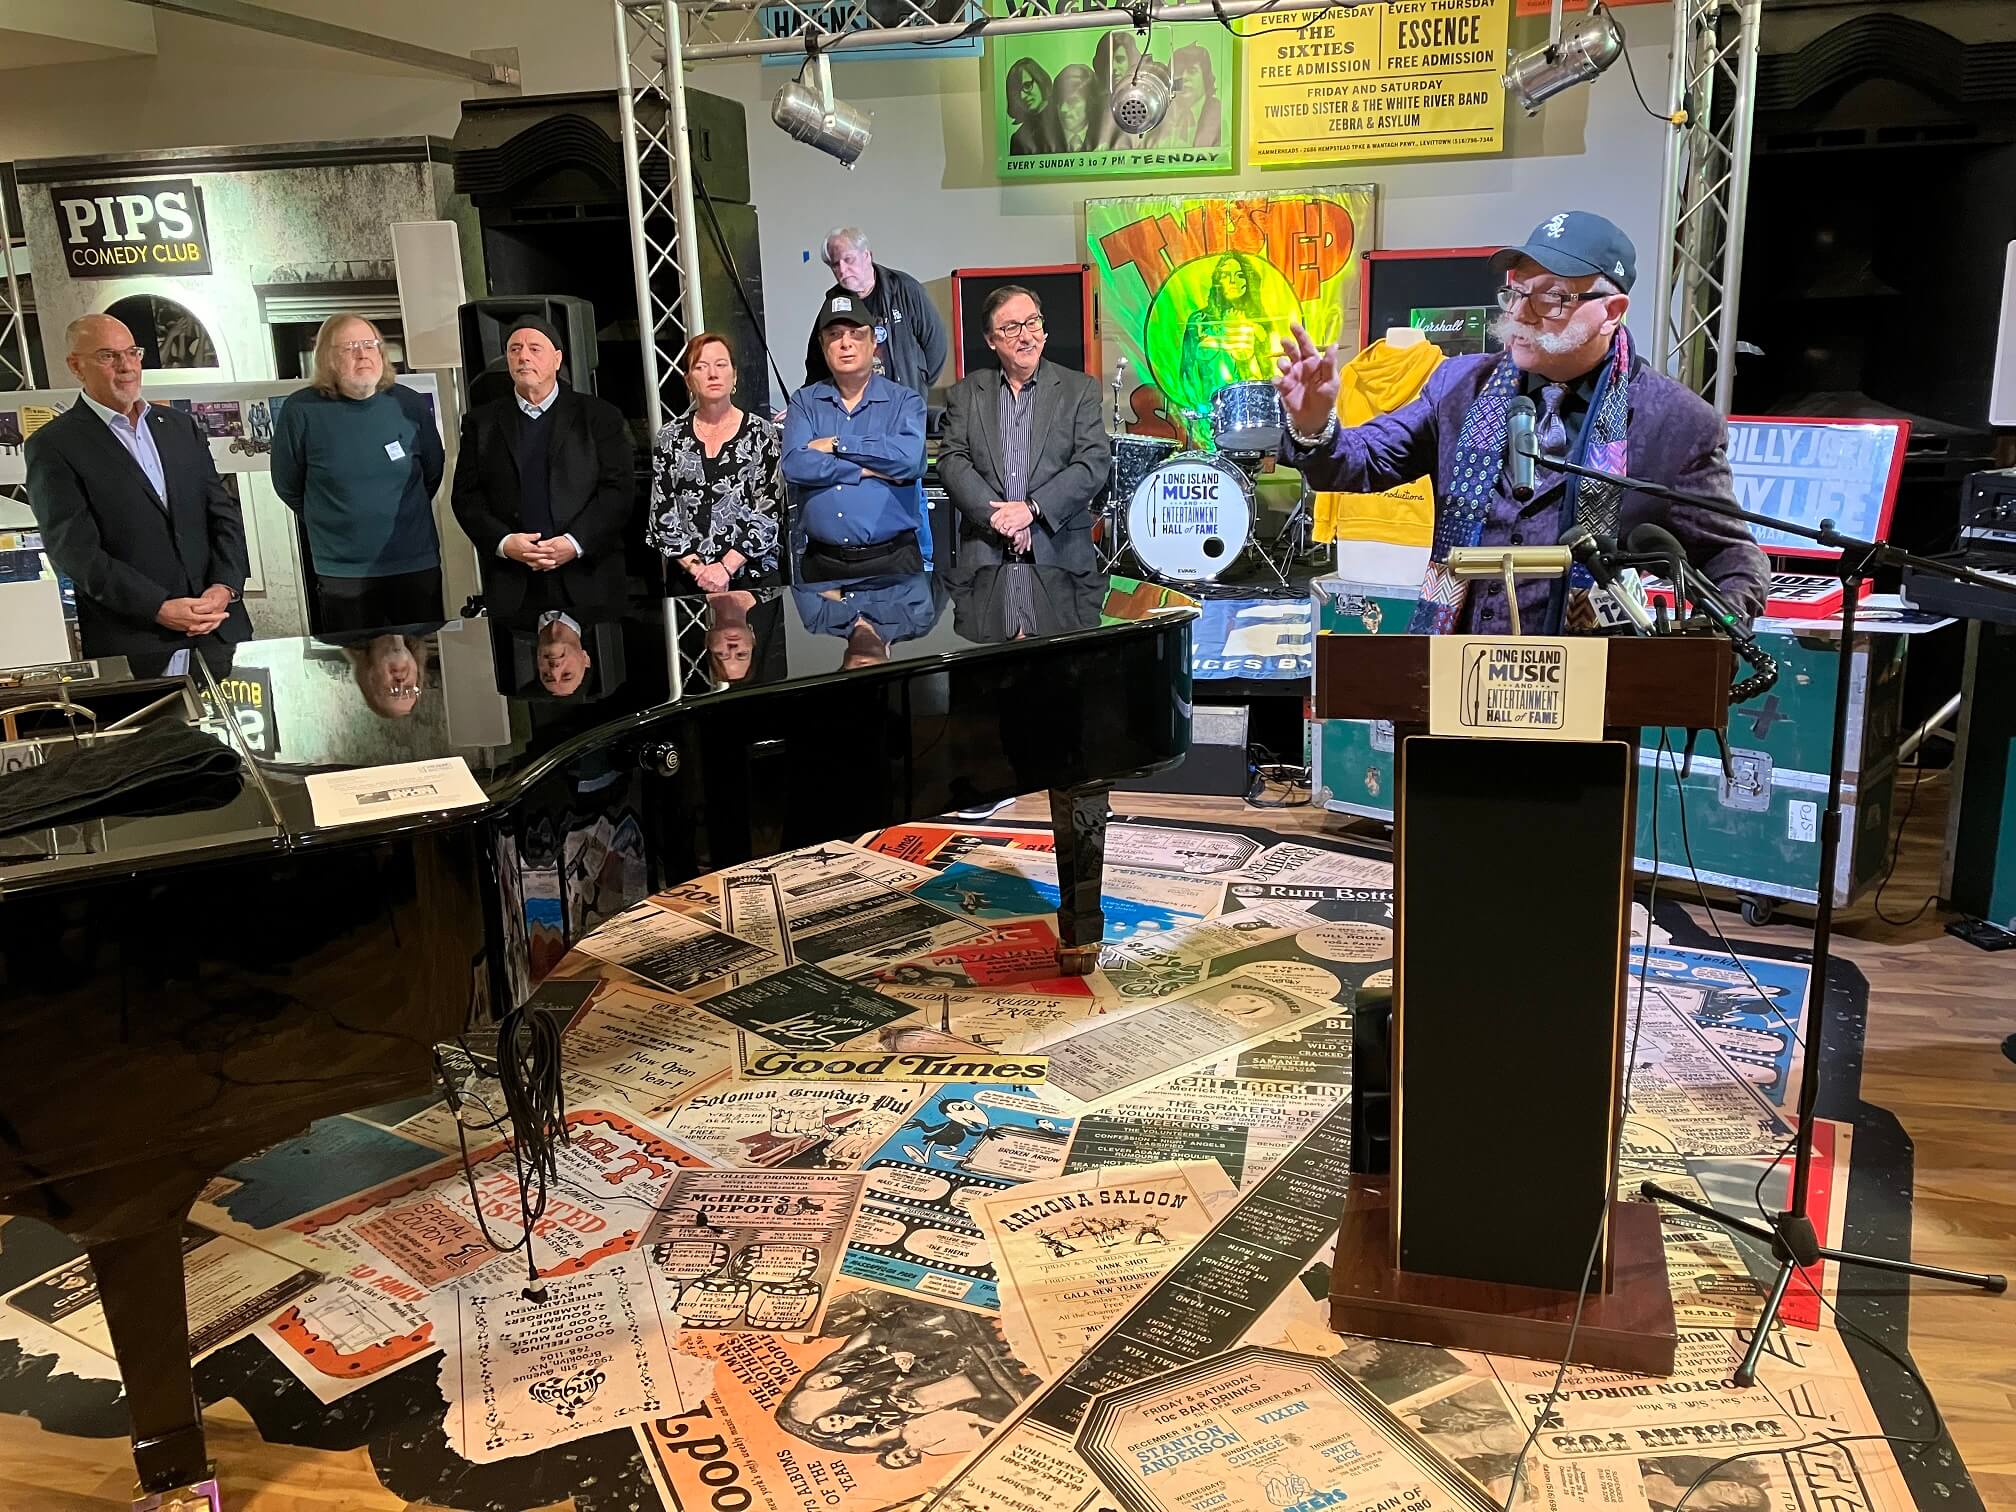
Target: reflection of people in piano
1015, 600
870, 614
744, 645
1227, 340
388, 672
562, 659
1596, 402
717, 505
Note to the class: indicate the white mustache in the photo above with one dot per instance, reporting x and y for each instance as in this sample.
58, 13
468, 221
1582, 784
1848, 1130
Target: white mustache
1554, 343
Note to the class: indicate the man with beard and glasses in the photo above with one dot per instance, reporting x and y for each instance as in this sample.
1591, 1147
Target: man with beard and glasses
1597, 404
358, 458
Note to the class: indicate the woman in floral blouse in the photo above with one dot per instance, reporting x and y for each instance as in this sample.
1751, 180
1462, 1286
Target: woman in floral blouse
717, 505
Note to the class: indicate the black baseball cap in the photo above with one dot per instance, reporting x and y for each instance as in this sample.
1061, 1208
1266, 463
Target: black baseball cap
1576, 244
842, 309
537, 323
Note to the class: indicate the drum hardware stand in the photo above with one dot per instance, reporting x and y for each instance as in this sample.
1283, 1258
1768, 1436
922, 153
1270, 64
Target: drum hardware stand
1794, 1242
1297, 534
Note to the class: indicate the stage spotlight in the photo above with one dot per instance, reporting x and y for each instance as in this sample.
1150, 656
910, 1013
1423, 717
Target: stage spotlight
817, 119
1581, 52
1140, 102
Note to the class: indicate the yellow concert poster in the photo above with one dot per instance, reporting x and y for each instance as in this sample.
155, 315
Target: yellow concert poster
1407, 79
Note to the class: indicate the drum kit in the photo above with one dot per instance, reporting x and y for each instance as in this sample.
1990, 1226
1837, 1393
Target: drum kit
1185, 512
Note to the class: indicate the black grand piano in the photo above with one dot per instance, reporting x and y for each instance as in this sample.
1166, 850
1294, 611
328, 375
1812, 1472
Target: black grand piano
184, 988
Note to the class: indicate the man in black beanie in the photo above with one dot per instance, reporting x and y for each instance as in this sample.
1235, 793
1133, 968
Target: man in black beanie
543, 486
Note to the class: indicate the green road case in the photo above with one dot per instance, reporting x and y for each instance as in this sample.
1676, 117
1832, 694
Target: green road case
1757, 835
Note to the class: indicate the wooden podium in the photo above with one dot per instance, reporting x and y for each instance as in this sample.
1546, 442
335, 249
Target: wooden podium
1513, 875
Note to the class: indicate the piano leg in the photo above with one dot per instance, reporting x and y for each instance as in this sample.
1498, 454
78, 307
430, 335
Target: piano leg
1078, 820
140, 1287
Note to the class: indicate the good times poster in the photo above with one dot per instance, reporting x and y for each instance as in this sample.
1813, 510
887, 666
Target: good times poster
1198, 290
1051, 96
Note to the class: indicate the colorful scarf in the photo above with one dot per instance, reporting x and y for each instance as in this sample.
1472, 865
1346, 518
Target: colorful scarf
1467, 493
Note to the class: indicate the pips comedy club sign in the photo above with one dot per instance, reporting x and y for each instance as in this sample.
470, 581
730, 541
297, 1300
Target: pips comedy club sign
115, 230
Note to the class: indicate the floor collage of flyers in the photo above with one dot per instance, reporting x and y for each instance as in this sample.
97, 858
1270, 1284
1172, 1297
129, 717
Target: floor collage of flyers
865, 1205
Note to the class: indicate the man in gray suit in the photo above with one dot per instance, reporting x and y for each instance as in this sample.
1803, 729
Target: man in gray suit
1024, 449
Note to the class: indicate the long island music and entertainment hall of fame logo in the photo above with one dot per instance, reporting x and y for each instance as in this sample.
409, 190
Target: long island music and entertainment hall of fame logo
1217, 319
1514, 687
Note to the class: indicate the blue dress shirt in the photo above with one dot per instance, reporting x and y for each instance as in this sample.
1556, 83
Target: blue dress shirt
138, 440
835, 502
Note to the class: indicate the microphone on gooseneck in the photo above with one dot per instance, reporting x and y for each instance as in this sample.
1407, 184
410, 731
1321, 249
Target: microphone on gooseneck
1593, 553
1519, 447
1656, 540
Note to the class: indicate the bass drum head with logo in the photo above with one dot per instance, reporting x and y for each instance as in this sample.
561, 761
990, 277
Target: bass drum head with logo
1189, 519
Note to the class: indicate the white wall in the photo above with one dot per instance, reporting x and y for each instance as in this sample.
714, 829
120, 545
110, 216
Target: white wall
924, 188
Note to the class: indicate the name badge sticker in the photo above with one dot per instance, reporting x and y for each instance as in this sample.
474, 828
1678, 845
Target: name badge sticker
395, 451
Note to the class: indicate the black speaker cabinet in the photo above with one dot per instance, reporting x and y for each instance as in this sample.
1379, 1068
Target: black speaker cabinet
1064, 291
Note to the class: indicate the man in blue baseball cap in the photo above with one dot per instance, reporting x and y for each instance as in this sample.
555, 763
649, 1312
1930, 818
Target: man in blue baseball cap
1598, 404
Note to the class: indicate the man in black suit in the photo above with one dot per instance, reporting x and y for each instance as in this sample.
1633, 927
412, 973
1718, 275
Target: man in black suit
1024, 452
132, 511
543, 486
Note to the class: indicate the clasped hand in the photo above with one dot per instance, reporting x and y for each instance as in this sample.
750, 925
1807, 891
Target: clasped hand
196, 616
1011, 519
541, 555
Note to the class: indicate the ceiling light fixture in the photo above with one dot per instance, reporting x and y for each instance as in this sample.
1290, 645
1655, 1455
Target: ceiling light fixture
817, 119
1574, 56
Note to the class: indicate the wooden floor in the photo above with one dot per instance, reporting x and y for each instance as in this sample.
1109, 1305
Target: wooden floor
1939, 1011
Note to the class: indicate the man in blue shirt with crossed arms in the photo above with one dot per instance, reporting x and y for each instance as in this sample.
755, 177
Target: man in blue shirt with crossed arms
854, 458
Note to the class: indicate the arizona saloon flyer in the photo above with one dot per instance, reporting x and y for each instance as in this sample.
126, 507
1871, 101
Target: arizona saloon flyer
1407, 79
1072, 1252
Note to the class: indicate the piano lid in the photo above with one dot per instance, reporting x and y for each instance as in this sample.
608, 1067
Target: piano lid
514, 698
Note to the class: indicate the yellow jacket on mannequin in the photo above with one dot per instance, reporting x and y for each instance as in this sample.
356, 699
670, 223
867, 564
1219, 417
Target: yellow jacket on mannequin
1378, 381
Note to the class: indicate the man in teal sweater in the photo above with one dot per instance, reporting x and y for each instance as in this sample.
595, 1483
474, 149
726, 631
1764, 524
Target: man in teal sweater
358, 458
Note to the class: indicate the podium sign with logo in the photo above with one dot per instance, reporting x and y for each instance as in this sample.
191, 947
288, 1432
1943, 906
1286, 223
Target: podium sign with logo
1500, 687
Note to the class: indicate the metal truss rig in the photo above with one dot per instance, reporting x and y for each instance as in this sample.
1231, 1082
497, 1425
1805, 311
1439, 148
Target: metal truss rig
1707, 185
653, 49
17, 368
1707, 170
750, 28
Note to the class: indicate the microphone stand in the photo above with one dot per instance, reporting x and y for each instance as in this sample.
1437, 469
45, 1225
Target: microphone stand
1794, 1242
